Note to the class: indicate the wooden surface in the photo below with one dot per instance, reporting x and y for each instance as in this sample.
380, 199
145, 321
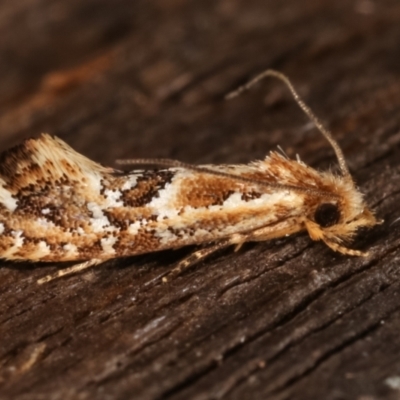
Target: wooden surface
287, 319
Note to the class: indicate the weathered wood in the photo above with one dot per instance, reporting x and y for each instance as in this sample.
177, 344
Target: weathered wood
280, 320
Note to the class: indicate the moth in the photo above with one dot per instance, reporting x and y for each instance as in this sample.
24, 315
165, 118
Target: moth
56, 205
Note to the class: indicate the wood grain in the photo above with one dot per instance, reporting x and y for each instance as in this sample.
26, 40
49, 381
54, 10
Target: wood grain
287, 319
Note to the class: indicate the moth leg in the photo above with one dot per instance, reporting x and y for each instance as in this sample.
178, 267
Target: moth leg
238, 246
69, 271
344, 250
195, 257
237, 239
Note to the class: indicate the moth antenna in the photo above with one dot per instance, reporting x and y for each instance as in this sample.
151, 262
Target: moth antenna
166, 162
283, 152
270, 72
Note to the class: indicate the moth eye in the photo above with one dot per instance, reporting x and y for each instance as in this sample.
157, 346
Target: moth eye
327, 214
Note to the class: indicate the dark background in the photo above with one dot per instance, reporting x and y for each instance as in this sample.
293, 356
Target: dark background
286, 319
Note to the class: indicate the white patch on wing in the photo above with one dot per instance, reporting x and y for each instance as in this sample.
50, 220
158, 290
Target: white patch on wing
43, 249
201, 233
163, 205
133, 228
99, 222
44, 223
107, 245
18, 239
7, 199
70, 249
165, 235
1, 228
112, 198
233, 200
130, 182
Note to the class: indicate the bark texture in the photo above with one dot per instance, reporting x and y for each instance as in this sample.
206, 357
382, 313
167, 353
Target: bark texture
287, 319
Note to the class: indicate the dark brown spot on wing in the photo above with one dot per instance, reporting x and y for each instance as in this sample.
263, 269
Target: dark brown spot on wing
148, 186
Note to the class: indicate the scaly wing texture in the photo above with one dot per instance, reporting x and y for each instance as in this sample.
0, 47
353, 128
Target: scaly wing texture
45, 187
57, 205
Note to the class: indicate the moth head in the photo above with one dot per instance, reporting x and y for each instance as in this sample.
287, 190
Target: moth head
338, 210
336, 221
